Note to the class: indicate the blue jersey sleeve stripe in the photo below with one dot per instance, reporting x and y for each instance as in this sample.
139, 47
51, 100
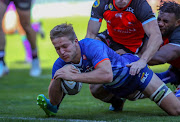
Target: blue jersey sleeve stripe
94, 19
149, 20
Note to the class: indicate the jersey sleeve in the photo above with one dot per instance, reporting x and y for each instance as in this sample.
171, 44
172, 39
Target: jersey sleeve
97, 10
97, 52
59, 63
175, 37
144, 12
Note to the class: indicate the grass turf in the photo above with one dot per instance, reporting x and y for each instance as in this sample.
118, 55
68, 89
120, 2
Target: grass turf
18, 91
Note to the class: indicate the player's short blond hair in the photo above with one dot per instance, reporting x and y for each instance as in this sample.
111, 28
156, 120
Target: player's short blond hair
63, 30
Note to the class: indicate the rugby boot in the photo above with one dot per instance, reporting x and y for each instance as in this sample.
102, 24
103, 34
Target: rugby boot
47, 107
118, 105
35, 68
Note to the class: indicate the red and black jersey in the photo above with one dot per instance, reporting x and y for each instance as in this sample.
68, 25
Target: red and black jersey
174, 39
124, 25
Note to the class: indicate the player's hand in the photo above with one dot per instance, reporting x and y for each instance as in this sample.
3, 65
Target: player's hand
66, 72
120, 51
135, 67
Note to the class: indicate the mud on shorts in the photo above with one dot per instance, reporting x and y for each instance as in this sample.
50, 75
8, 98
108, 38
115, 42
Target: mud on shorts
21, 4
104, 36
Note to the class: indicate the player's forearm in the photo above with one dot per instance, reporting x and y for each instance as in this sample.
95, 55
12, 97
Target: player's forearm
94, 77
153, 45
93, 29
90, 35
165, 54
157, 60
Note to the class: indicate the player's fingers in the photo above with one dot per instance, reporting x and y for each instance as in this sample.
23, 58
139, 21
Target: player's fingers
138, 70
132, 71
75, 70
129, 65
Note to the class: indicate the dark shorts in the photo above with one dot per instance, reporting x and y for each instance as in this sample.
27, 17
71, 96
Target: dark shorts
21, 4
172, 75
112, 44
131, 83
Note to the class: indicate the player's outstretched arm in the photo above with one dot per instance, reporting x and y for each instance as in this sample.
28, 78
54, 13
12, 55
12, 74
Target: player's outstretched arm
101, 74
55, 91
165, 54
154, 42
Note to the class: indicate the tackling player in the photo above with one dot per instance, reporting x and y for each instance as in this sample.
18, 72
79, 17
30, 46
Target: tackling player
100, 65
169, 24
127, 23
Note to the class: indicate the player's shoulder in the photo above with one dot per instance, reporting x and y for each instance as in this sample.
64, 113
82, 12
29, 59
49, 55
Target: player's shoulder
138, 1
100, 2
89, 41
177, 31
58, 63
139, 4
175, 34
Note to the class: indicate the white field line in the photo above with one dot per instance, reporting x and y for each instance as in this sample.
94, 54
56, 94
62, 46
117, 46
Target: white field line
55, 119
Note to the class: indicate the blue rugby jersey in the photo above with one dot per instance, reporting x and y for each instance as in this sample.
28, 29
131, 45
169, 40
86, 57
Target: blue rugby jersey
94, 52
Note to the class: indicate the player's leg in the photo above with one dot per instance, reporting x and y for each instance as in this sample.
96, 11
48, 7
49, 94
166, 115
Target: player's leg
157, 91
24, 16
25, 41
3, 68
98, 91
27, 47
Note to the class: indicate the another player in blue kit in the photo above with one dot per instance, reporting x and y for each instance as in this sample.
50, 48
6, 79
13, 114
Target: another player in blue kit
100, 65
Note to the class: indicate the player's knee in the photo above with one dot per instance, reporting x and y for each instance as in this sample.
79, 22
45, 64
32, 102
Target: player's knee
175, 111
94, 90
26, 27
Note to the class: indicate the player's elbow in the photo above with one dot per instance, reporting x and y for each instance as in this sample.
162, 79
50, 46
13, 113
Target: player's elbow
108, 78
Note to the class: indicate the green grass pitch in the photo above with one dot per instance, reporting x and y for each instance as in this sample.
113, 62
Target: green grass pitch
18, 91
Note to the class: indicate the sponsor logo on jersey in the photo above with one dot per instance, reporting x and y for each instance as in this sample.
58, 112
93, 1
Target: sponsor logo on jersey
130, 9
118, 15
106, 7
110, 6
96, 3
125, 31
144, 77
84, 57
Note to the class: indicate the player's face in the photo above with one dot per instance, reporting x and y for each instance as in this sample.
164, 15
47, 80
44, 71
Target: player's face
66, 49
166, 22
121, 3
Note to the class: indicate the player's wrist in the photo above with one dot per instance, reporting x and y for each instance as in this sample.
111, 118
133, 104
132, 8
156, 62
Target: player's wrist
143, 59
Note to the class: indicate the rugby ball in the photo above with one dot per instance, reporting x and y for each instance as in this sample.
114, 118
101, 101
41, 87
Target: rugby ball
71, 87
